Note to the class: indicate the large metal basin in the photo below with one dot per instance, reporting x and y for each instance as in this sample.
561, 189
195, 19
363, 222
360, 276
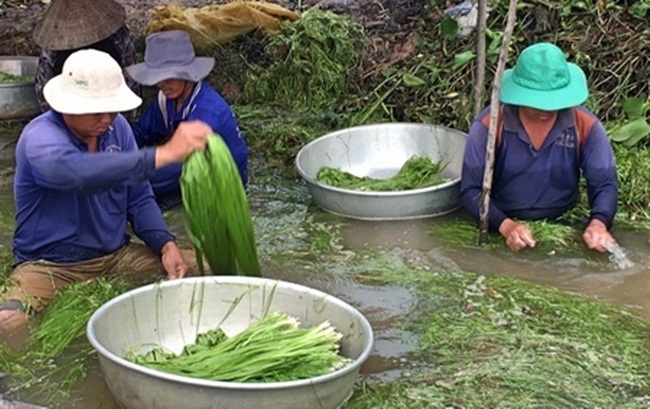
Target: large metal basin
18, 99
379, 151
172, 313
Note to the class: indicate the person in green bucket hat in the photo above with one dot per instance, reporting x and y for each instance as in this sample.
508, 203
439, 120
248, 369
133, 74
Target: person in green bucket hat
545, 140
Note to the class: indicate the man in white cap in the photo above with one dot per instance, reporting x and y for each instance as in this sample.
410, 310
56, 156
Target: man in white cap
79, 180
171, 65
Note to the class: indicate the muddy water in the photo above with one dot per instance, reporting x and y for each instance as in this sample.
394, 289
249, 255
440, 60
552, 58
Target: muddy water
592, 274
300, 243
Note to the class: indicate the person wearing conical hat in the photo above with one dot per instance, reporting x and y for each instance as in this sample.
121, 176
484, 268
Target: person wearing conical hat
545, 141
80, 180
70, 25
171, 65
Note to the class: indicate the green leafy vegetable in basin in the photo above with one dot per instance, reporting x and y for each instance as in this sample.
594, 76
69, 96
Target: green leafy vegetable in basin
273, 349
418, 172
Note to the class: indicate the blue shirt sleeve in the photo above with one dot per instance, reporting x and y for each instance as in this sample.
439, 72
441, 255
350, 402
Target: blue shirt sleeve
143, 212
146, 219
599, 169
64, 167
471, 182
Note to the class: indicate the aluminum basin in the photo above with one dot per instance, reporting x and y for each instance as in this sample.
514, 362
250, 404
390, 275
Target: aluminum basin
18, 99
172, 313
379, 151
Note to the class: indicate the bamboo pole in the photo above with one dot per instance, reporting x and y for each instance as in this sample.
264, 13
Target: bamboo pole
480, 57
484, 205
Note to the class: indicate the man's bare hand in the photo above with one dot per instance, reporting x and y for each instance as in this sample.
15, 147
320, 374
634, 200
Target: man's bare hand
597, 237
173, 261
190, 136
517, 235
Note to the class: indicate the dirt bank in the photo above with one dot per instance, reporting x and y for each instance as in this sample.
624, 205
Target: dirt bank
384, 17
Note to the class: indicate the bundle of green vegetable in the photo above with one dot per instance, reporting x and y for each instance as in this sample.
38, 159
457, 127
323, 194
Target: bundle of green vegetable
274, 349
418, 172
219, 219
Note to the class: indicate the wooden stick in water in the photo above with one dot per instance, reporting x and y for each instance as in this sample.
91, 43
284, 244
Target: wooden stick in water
494, 111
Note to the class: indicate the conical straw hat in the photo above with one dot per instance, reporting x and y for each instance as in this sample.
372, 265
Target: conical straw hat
72, 24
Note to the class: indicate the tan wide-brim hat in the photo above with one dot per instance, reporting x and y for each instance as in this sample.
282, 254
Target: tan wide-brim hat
73, 24
91, 82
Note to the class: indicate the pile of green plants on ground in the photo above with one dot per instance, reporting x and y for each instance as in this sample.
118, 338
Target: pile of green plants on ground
312, 63
278, 134
417, 172
272, 349
487, 342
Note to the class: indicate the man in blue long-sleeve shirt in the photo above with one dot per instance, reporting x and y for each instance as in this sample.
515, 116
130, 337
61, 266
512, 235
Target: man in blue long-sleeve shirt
171, 65
545, 141
79, 180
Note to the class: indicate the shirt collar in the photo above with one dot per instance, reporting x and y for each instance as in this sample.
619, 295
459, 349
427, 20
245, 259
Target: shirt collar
169, 113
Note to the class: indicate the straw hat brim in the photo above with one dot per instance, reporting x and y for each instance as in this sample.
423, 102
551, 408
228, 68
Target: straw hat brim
195, 71
72, 24
65, 102
574, 94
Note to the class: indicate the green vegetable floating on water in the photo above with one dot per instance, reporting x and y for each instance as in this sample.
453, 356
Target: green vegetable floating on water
219, 221
418, 172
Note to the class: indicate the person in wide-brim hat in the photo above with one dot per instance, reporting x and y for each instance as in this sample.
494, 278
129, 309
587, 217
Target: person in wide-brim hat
170, 54
91, 83
546, 141
171, 65
82, 190
543, 79
72, 24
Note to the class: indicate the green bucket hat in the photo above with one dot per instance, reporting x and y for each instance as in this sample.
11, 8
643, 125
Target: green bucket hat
544, 80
